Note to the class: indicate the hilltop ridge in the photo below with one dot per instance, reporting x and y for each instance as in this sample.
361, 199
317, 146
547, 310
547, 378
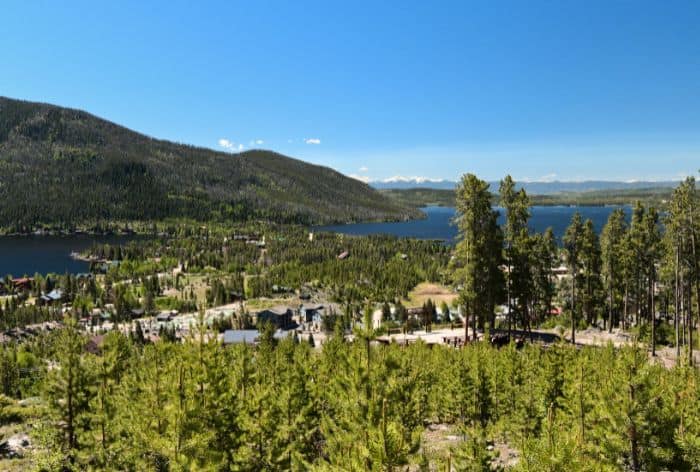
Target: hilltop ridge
61, 165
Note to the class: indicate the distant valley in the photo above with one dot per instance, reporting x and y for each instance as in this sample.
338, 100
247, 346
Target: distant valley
422, 197
533, 188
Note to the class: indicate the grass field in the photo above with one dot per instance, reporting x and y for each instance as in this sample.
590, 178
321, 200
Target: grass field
436, 292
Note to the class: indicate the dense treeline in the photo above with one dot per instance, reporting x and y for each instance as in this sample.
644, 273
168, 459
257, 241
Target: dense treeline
378, 268
287, 406
121, 403
79, 292
656, 196
234, 265
636, 275
421, 197
65, 166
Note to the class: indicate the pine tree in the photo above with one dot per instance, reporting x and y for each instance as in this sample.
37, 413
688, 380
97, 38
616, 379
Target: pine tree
139, 338
517, 250
650, 258
110, 366
573, 244
9, 371
611, 240
591, 268
624, 425
682, 229
69, 390
544, 257
477, 255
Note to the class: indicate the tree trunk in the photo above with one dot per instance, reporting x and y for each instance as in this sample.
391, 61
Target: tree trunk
689, 307
653, 314
697, 301
466, 325
70, 426
632, 431
676, 318
610, 306
573, 306
694, 273
625, 315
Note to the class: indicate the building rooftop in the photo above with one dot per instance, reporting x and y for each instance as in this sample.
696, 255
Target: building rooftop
248, 336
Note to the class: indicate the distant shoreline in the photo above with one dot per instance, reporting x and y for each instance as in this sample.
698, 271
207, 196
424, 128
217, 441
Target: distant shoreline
658, 197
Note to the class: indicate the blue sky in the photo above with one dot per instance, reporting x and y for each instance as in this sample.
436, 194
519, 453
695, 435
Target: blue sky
564, 90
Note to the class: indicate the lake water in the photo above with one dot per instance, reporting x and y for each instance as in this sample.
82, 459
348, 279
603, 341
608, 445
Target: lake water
20, 255
438, 224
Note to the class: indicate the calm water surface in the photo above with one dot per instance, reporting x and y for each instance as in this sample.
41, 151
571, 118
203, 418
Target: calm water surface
438, 224
20, 255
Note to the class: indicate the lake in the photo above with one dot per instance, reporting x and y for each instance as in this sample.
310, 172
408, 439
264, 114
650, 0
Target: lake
438, 223
20, 255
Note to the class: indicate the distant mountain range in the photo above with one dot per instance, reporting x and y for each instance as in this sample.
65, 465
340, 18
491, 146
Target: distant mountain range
533, 188
399, 183
59, 165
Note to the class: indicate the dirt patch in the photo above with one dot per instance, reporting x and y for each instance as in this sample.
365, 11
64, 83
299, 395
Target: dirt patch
439, 440
506, 456
263, 303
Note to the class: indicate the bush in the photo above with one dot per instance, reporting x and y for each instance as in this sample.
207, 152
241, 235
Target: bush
11, 412
665, 335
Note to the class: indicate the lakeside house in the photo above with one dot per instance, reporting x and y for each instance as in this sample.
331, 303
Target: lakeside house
22, 283
249, 336
312, 313
241, 336
29, 331
54, 296
103, 266
279, 316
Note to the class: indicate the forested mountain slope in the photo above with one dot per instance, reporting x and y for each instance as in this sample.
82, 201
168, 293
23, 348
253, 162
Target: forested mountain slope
59, 165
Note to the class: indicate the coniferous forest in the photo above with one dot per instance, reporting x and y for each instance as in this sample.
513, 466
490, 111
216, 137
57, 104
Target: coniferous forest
287, 406
66, 168
276, 236
125, 399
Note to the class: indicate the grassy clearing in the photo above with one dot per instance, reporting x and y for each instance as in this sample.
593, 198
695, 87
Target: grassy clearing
263, 303
436, 292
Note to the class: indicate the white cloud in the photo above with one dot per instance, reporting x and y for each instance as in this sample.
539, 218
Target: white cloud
363, 169
230, 145
258, 142
312, 141
548, 178
361, 178
225, 143
401, 178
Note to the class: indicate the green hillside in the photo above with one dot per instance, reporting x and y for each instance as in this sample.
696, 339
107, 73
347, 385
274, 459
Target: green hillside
65, 166
421, 197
